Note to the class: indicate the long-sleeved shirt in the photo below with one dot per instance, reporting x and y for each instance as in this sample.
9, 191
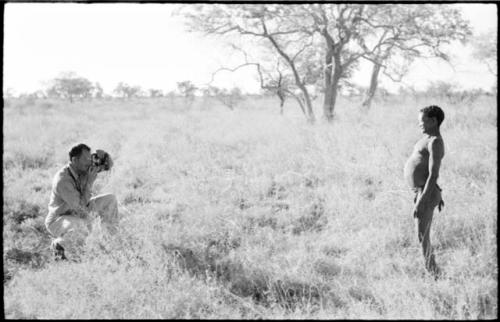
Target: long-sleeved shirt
69, 193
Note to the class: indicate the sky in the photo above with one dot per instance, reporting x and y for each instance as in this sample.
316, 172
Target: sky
144, 44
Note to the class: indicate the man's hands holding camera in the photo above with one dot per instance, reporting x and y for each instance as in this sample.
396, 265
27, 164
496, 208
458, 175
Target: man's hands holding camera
102, 160
92, 174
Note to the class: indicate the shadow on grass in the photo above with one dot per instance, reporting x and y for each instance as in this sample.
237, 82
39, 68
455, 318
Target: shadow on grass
245, 282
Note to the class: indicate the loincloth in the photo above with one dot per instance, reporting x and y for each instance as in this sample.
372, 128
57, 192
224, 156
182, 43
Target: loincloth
419, 190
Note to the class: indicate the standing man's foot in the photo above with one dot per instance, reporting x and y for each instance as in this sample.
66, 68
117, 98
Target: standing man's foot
437, 273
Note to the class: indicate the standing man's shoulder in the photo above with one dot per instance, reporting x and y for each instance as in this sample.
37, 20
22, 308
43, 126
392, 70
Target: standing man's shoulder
436, 145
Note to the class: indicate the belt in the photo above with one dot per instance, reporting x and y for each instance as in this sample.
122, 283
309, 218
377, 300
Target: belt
441, 202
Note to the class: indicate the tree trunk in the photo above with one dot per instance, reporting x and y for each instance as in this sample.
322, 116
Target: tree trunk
281, 97
331, 93
328, 85
301, 105
331, 88
307, 98
373, 86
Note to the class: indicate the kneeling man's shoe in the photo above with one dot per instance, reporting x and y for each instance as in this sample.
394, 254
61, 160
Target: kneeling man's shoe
58, 251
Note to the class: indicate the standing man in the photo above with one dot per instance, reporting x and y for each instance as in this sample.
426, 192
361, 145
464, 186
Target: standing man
421, 173
70, 206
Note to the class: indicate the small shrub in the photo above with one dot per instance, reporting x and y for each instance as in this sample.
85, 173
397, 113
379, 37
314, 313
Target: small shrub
19, 212
276, 191
314, 218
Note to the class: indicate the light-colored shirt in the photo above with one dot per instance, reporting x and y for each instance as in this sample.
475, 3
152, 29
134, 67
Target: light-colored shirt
69, 195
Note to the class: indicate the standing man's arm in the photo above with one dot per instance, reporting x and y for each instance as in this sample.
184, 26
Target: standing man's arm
436, 153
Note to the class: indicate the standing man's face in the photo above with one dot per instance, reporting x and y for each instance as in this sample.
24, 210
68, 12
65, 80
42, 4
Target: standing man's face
83, 162
426, 123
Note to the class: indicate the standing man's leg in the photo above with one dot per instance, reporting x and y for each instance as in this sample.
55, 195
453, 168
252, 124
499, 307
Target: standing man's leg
106, 207
423, 228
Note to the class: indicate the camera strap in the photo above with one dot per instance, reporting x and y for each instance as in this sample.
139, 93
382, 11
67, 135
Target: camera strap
77, 184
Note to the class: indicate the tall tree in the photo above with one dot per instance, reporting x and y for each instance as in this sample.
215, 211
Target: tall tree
485, 50
98, 91
70, 86
187, 89
400, 33
339, 25
127, 91
315, 41
155, 93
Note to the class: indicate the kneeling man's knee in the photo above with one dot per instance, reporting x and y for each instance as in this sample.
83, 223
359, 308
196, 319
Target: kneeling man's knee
114, 200
110, 199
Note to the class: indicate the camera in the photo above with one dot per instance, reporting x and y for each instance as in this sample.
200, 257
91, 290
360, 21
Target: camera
101, 160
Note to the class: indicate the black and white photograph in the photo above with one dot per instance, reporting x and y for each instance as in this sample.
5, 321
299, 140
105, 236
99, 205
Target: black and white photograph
250, 160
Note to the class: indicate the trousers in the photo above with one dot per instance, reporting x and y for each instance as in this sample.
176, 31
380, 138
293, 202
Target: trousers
70, 230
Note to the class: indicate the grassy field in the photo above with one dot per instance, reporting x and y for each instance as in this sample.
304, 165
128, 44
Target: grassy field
249, 214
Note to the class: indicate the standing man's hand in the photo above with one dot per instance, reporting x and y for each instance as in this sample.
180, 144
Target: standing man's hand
415, 212
418, 210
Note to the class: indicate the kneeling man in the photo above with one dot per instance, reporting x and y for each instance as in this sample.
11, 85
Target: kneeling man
70, 206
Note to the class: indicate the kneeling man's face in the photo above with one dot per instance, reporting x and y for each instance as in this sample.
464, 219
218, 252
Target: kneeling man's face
83, 162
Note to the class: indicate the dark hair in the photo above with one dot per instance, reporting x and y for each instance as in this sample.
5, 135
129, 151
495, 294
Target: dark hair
77, 150
434, 111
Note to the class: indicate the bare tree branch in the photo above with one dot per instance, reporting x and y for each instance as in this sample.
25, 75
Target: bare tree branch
396, 80
307, 45
227, 69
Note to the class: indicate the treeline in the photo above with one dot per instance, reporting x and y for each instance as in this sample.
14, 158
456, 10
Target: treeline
71, 87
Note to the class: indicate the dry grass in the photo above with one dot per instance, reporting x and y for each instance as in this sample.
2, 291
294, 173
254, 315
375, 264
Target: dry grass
247, 214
